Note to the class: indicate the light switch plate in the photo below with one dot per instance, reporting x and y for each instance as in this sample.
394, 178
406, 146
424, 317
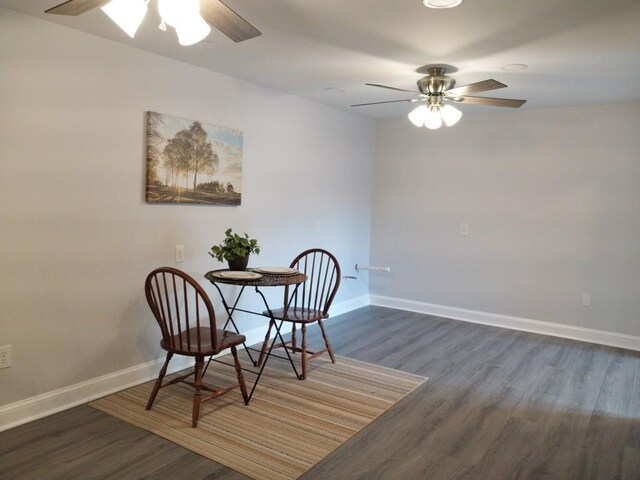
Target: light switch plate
179, 253
5, 356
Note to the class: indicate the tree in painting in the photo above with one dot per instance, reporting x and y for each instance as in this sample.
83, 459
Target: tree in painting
202, 158
153, 141
191, 162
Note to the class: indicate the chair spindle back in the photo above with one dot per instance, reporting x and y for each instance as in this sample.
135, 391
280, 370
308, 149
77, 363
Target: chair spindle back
179, 304
323, 272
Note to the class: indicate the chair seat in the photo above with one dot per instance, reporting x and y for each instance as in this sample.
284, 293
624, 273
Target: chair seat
225, 339
298, 315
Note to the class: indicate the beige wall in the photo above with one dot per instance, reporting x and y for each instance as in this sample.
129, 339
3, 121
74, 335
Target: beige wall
552, 200
77, 239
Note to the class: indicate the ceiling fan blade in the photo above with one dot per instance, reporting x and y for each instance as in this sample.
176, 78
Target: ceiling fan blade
393, 88
76, 7
413, 100
227, 21
494, 102
477, 87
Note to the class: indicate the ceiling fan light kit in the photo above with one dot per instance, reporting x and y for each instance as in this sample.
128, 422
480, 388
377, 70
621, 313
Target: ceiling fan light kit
192, 19
434, 115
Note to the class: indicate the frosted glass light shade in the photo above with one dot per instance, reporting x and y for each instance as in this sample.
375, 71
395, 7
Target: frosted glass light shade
192, 32
185, 16
451, 115
172, 11
433, 120
418, 115
127, 14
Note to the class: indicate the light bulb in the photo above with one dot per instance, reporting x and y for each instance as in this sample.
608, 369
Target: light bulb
127, 14
433, 120
418, 115
451, 115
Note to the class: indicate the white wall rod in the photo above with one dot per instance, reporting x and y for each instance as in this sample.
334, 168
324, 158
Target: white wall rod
372, 268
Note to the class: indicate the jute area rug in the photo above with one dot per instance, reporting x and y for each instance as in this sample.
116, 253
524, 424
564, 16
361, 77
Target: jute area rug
289, 426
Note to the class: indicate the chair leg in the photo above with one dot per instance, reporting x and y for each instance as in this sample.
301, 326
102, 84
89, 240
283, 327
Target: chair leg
265, 344
197, 397
243, 387
293, 335
303, 353
327, 342
158, 384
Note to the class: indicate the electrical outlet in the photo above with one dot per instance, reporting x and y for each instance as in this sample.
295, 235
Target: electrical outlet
179, 253
464, 229
317, 226
586, 299
5, 356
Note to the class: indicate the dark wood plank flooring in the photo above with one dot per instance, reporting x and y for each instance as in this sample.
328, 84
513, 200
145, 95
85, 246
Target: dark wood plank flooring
499, 404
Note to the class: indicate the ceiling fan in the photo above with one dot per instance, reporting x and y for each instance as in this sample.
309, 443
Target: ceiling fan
436, 89
191, 18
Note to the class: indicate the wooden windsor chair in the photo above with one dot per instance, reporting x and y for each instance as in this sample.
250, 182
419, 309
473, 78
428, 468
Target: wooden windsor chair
308, 303
177, 302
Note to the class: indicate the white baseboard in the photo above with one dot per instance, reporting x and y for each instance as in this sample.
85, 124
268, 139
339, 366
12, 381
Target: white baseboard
45, 404
48, 403
590, 335
348, 305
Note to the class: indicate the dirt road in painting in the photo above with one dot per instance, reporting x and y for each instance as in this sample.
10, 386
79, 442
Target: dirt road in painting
163, 194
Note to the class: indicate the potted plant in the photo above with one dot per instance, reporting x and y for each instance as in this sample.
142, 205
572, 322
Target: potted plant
235, 249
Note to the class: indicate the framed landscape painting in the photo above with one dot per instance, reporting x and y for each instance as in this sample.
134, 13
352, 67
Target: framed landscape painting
190, 162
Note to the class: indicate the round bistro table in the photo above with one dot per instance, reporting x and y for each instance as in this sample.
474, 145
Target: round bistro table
266, 280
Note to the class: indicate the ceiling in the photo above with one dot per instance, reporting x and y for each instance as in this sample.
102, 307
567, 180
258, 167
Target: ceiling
579, 52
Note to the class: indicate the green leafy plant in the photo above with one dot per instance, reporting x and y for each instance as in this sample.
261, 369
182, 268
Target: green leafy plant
234, 246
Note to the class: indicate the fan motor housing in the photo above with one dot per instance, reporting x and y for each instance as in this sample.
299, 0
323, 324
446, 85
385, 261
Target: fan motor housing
436, 82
